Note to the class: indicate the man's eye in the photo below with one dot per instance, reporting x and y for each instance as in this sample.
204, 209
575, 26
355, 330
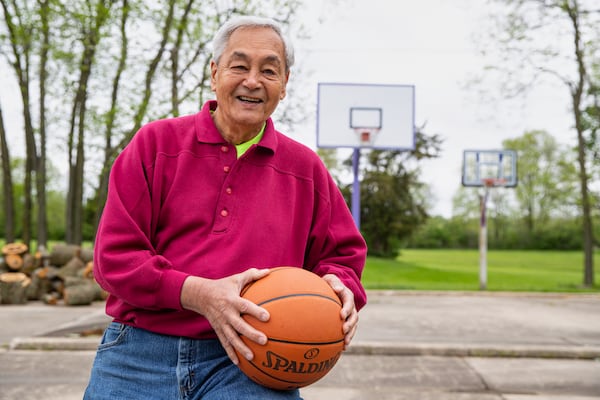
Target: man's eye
239, 67
270, 72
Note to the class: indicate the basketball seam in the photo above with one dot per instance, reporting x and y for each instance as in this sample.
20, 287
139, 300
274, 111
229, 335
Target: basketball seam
306, 343
298, 295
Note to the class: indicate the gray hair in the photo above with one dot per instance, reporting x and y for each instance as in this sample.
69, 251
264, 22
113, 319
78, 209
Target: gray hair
224, 33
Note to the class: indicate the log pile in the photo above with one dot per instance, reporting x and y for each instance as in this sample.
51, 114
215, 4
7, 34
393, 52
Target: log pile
64, 274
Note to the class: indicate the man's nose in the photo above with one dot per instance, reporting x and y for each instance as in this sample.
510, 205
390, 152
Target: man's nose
252, 80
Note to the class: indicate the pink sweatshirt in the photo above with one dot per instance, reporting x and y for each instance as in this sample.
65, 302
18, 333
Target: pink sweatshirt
180, 203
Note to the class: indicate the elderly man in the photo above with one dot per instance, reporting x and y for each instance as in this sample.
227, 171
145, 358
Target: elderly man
198, 207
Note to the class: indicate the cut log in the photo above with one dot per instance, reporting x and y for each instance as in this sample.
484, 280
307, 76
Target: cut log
87, 254
13, 287
14, 248
74, 294
51, 298
40, 284
42, 257
48, 272
14, 262
88, 271
81, 294
71, 268
30, 263
63, 253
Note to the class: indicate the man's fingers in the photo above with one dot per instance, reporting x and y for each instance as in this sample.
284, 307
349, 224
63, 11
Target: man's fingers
242, 327
226, 341
220, 303
251, 275
248, 307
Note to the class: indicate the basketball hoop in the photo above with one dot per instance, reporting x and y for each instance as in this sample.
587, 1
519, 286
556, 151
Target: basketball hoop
493, 182
366, 136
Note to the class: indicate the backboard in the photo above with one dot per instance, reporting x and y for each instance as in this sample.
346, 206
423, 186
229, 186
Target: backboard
489, 168
366, 115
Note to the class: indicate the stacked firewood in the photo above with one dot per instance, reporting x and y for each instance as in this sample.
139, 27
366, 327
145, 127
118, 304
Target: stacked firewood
64, 274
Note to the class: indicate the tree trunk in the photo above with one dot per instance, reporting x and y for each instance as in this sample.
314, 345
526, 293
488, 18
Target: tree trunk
81, 291
8, 206
91, 39
13, 288
42, 221
63, 253
18, 28
576, 96
102, 190
112, 151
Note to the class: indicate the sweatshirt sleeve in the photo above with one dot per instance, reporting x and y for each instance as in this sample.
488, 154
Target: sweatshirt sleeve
125, 262
336, 245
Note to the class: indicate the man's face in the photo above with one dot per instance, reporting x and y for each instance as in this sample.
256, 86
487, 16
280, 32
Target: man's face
249, 80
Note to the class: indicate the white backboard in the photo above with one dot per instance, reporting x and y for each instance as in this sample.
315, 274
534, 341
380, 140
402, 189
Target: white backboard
499, 166
366, 115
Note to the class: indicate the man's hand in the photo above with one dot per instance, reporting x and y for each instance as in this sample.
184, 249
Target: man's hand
219, 301
349, 314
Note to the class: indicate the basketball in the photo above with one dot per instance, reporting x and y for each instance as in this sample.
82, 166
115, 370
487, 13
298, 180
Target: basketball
304, 332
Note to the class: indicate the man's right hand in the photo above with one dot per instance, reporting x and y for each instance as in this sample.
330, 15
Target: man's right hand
219, 301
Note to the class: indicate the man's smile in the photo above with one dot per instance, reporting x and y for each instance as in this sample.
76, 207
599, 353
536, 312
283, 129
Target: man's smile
249, 99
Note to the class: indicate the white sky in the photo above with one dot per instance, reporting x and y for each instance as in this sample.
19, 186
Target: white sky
429, 44
425, 43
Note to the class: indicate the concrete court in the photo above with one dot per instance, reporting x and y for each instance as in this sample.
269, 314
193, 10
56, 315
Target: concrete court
411, 345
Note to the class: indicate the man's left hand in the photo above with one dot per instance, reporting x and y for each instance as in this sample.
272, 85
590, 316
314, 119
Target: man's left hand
349, 314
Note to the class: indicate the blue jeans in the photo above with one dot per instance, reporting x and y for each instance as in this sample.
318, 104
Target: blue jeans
133, 363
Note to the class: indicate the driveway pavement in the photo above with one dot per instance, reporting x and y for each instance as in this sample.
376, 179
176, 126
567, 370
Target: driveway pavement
410, 345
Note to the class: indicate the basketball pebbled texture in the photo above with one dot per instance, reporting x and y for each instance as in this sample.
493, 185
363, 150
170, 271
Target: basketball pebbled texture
305, 337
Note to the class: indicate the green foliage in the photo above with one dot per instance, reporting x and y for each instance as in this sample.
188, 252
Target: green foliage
539, 271
547, 179
509, 233
392, 202
441, 233
105, 79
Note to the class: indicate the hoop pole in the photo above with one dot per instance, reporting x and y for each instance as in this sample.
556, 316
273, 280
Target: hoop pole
356, 187
483, 240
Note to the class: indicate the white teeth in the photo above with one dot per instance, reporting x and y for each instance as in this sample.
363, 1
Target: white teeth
253, 100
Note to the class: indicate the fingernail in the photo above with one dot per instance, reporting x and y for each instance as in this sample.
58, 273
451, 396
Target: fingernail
249, 356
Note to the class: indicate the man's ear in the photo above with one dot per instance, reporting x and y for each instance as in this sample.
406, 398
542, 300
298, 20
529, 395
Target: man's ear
284, 90
213, 75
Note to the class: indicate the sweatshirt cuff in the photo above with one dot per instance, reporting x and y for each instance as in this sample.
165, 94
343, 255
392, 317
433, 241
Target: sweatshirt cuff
169, 293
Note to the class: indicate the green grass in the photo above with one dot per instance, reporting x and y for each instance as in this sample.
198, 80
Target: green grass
508, 270
536, 271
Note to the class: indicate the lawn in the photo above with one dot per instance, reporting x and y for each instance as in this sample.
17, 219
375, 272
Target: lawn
539, 271
508, 270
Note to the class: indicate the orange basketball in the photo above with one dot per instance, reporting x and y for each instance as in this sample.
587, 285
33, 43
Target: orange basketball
305, 337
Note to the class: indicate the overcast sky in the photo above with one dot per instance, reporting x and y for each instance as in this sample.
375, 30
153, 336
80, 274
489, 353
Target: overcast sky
429, 44
425, 43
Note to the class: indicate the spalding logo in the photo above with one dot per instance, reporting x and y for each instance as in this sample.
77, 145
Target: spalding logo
279, 363
312, 353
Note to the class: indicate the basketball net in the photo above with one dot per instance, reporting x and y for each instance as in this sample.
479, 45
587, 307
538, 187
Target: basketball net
366, 136
493, 182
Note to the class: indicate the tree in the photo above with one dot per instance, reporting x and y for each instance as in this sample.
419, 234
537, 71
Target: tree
393, 204
90, 26
42, 219
19, 21
551, 38
547, 179
7, 186
95, 80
